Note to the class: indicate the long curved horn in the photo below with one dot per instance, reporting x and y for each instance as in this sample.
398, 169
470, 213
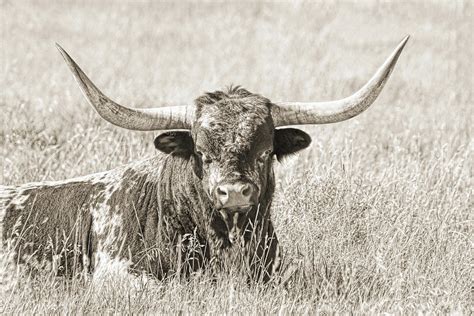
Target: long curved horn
298, 113
160, 118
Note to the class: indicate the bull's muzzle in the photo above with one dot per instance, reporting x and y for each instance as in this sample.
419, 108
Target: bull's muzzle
235, 195
234, 200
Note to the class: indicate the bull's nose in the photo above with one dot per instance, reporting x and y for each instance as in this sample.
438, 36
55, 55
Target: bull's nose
235, 194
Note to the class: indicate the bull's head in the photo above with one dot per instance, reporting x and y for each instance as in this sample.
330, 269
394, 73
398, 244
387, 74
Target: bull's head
232, 143
231, 136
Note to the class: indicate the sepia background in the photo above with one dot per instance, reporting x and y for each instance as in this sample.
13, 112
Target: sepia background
376, 215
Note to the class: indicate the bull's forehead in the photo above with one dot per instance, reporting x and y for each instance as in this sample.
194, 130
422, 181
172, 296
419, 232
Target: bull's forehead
234, 124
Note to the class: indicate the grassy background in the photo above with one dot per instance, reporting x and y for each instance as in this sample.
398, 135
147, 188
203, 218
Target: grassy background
376, 216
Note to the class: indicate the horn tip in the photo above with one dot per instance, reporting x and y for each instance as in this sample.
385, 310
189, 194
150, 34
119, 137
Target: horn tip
61, 51
399, 48
405, 40
59, 47
69, 61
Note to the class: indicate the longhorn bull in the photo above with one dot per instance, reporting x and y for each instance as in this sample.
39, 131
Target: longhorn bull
212, 179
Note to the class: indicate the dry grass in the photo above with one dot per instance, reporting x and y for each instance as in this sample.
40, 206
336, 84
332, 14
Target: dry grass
376, 215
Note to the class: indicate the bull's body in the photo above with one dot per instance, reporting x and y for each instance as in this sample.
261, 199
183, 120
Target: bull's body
152, 214
206, 201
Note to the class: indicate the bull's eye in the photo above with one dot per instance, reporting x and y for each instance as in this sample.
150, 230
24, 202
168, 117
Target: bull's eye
205, 159
263, 156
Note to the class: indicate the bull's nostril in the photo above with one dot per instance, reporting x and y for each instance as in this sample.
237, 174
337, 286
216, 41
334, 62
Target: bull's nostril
221, 191
246, 190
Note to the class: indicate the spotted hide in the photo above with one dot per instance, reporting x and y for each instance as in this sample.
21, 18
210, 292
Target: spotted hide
159, 215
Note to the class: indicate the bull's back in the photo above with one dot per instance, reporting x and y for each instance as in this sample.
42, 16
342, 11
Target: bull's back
50, 220
7, 193
73, 219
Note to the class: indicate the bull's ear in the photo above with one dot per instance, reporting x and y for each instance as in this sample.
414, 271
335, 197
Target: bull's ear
175, 142
289, 141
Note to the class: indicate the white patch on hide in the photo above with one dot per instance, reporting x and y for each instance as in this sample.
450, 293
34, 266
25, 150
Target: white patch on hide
106, 266
107, 219
112, 275
106, 225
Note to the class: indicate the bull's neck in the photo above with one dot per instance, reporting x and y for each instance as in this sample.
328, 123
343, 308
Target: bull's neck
183, 188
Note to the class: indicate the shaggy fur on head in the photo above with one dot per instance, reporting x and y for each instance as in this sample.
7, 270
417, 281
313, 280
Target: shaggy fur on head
232, 119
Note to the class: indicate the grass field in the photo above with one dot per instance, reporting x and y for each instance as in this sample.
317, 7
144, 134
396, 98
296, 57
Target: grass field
376, 215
